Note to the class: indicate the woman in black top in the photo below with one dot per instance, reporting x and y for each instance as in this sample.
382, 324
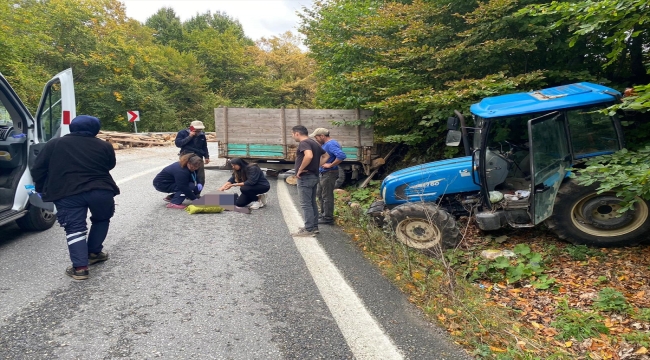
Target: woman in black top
251, 181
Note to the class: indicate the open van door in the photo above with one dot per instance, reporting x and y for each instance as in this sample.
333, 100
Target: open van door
56, 110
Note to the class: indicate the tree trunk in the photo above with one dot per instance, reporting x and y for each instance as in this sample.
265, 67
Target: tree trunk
639, 72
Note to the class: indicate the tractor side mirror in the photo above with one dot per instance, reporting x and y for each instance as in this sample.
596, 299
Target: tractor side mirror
454, 137
453, 123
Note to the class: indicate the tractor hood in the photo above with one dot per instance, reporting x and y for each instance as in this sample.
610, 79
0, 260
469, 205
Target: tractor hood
427, 182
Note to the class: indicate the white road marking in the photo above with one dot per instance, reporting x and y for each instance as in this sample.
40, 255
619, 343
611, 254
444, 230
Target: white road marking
137, 175
366, 338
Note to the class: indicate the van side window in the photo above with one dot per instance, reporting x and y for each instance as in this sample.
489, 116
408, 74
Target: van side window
50, 116
592, 132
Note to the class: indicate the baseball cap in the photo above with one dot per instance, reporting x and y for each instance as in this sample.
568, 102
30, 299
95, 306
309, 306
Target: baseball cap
198, 125
320, 131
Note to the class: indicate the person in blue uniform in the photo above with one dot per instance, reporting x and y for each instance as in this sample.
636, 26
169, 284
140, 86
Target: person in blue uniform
180, 181
73, 171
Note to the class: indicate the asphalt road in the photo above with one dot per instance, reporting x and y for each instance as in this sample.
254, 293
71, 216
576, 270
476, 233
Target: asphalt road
208, 286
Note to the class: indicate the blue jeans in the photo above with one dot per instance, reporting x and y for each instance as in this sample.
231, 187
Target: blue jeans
71, 214
307, 184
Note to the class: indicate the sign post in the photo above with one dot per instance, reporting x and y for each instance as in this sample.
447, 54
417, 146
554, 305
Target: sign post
134, 117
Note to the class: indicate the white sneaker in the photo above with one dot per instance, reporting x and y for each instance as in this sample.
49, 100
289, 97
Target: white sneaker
254, 205
263, 200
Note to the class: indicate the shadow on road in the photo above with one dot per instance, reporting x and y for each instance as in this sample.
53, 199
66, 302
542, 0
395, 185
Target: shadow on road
10, 233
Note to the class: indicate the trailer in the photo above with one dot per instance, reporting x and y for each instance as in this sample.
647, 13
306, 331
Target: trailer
263, 136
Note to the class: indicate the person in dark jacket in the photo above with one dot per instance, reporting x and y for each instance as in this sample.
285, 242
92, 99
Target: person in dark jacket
73, 171
251, 181
180, 179
192, 140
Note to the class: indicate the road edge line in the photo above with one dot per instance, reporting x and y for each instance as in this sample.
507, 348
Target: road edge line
364, 335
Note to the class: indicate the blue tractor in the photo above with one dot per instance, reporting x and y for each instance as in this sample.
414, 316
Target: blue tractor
516, 173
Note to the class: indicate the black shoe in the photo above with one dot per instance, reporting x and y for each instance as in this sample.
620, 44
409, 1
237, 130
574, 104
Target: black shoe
99, 257
325, 221
76, 274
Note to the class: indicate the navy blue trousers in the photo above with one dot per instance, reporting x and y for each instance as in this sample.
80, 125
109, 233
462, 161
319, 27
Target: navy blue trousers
71, 214
178, 196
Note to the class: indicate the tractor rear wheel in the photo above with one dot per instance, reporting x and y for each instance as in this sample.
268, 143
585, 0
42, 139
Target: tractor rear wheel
584, 217
424, 226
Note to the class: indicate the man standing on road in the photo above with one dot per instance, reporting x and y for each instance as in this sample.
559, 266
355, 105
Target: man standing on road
329, 173
308, 157
193, 140
73, 172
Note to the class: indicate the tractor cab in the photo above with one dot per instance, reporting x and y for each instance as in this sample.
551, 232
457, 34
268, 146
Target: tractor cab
523, 145
519, 151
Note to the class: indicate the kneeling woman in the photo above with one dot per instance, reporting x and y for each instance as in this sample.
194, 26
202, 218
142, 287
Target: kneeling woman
179, 178
251, 181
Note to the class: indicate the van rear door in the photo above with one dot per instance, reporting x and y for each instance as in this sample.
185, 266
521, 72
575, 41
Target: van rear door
56, 110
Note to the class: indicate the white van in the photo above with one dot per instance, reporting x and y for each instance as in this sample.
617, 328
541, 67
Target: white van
21, 138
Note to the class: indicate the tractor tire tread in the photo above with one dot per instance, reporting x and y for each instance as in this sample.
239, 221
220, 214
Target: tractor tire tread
443, 220
560, 222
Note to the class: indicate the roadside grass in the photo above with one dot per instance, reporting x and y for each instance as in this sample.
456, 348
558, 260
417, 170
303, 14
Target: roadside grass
551, 300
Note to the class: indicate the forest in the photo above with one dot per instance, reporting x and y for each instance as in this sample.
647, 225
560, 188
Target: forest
173, 72
413, 62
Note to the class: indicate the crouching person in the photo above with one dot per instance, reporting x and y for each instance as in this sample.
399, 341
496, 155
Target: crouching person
179, 180
73, 172
251, 182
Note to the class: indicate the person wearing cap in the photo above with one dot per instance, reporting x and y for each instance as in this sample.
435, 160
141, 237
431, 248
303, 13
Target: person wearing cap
193, 140
329, 173
73, 171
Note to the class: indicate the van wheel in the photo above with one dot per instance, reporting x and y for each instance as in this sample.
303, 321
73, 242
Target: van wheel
424, 226
584, 217
36, 219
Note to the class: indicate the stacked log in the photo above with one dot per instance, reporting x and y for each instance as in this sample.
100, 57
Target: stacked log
121, 140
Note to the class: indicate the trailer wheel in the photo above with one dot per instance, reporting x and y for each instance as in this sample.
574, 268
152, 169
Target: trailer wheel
424, 226
584, 217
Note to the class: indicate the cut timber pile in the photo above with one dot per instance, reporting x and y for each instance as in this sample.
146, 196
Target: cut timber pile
126, 140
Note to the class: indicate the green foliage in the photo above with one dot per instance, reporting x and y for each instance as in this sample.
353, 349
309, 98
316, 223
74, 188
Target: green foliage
173, 72
527, 265
624, 21
639, 338
578, 324
543, 282
416, 62
627, 173
642, 314
620, 29
611, 300
366, 196
582, 252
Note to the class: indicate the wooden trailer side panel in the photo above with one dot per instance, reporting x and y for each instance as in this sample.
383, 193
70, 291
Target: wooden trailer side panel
266, 133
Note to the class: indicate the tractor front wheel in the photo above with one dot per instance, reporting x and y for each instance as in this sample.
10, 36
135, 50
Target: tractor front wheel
424, 226
584, 217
